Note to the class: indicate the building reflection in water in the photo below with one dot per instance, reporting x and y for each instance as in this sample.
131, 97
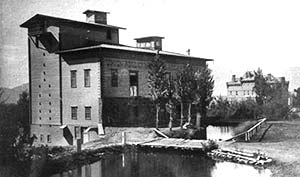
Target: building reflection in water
146, 164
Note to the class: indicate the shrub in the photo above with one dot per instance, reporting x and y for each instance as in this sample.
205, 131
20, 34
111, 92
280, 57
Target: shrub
209, 146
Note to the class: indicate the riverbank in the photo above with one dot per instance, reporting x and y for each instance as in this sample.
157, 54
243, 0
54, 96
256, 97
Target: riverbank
282, 143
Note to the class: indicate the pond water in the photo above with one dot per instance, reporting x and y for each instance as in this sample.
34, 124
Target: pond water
219, 132
161, 164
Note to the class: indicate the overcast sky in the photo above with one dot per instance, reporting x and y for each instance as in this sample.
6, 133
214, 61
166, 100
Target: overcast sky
239, 35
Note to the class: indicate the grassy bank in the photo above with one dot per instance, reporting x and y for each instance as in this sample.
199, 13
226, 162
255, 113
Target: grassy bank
282, 143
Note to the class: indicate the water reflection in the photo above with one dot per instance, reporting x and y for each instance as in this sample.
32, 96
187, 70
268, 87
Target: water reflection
219, 132
144, 164
238, 170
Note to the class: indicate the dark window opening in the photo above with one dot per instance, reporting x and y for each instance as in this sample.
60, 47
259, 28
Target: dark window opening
73, 79
133, 83
87, 78
108, 34
114, 77
88, 113
41, 138
136, 111
49, 138
74, 112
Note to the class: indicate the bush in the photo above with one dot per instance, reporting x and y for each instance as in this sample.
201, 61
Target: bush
209, 146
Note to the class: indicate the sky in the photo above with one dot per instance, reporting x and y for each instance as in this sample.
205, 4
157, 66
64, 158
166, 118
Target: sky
239, 35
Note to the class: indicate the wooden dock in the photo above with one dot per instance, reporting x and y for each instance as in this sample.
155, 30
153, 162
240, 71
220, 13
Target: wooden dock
175, 143
248, 134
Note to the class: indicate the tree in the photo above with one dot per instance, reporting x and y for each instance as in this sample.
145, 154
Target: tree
185, 87
157, 83
261, 88
296, 98
204, 88
171, 100
23, 107
271, 96
223, 109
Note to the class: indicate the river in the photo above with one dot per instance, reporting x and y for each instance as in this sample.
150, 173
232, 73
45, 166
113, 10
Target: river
140, 163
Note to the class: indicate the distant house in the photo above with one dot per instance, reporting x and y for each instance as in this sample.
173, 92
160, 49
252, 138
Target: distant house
242, 88
82, 79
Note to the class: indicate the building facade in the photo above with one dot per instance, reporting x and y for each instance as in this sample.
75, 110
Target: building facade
81, 77
242, 88
239, 89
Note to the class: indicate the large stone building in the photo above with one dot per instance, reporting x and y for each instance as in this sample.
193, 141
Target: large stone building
242, 88
82, 79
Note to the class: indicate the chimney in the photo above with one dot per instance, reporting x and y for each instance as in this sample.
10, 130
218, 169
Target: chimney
93, 16
233, 78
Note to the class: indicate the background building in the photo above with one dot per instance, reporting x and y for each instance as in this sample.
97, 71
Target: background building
242, 88
82, 79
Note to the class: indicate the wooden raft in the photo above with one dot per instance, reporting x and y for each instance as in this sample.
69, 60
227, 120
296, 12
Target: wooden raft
176, 143
240, 157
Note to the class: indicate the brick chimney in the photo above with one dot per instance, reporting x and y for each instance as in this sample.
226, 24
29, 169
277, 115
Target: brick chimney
233, 79
93, 16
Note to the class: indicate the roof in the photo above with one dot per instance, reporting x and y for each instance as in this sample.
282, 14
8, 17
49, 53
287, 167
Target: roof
94, 11
148, 38
132, 49
40, 18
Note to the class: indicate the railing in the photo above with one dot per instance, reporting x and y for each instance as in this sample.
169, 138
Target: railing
250, 132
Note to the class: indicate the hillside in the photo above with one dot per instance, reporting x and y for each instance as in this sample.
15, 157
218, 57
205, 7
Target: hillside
12, 95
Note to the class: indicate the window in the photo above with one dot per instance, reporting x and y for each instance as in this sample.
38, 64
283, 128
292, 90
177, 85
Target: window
108, 34
41, 138
49, 138
236, 92
230, 93
168, 76
87, 79
88, 113
114, 77
73, 79
74, 112
77, 132
133, 83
